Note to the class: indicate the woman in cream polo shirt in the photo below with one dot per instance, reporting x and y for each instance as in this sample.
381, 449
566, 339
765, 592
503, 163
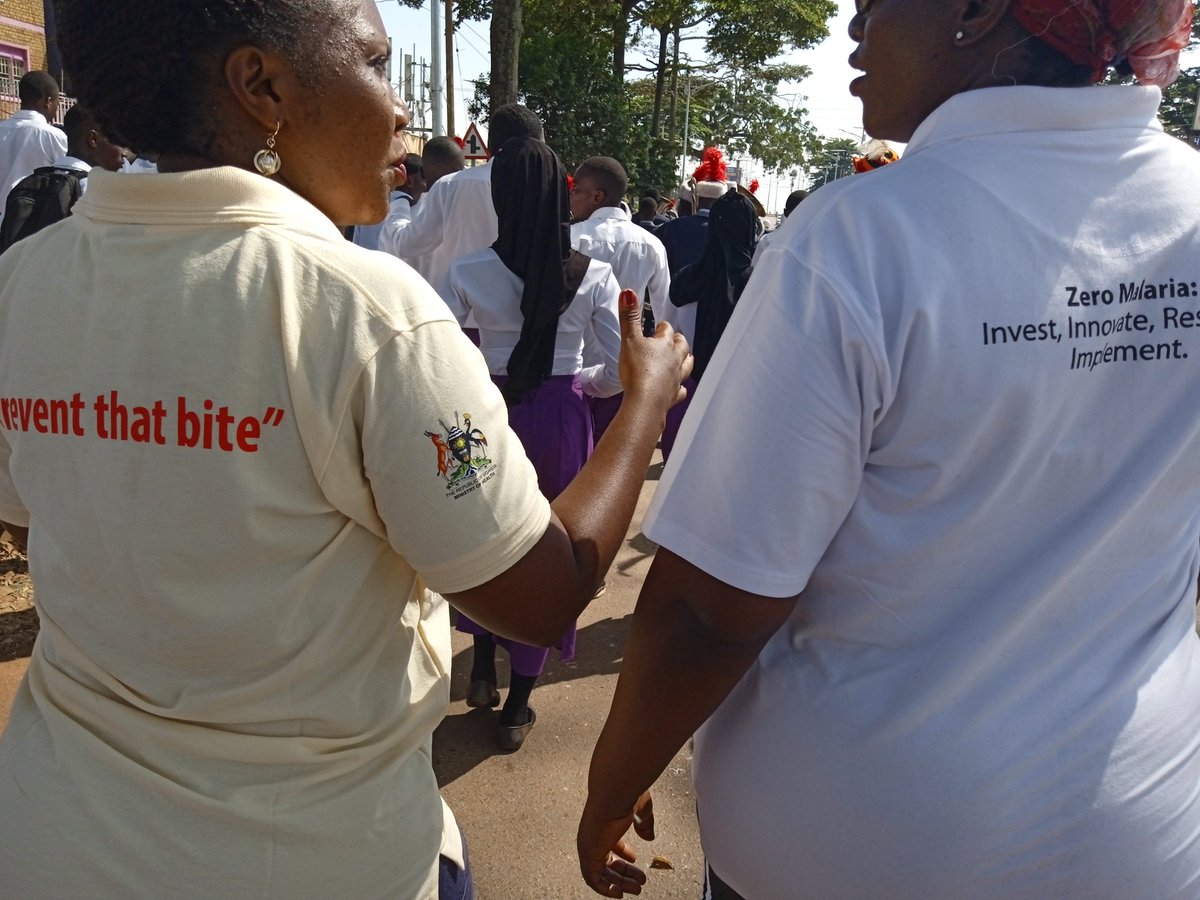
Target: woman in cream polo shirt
241, 448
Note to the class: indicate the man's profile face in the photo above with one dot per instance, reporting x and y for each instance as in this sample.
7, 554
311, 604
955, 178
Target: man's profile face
416, 183
586, 197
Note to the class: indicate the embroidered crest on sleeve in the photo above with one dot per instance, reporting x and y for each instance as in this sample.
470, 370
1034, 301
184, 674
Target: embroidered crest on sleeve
462, 459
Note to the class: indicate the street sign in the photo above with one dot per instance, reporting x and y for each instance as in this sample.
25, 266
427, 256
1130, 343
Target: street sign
473, 145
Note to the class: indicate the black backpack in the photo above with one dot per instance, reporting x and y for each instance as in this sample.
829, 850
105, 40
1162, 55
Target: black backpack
38, 200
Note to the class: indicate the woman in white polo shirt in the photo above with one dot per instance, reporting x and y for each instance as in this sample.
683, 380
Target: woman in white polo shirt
242, 447
930, 535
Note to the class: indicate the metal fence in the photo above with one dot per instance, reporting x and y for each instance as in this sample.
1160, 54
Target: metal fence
9, 105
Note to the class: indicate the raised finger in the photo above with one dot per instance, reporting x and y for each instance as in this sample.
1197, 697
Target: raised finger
631, 315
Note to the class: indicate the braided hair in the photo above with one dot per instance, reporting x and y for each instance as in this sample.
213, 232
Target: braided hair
147, 70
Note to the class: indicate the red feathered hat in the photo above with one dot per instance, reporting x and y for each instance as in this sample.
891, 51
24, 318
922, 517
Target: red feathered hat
710, 174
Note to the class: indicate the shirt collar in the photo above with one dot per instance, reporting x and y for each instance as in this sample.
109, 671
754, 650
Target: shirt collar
29, 115
73, 162
1005, 110
702, 213
224, 195
609, 212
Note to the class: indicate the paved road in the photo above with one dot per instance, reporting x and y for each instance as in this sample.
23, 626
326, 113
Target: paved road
520, 810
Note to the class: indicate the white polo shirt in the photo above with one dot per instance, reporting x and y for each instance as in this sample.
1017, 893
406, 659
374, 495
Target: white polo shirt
956, 407
482, 287
230, 431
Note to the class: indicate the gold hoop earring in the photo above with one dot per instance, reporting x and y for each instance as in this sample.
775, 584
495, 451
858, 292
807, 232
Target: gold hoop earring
267, 161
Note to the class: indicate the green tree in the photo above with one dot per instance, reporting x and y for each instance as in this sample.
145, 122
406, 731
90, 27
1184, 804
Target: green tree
567, 73
832, 160
1178, 110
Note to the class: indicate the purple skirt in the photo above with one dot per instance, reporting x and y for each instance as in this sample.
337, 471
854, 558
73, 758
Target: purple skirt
675, 418
554, 422
604, 410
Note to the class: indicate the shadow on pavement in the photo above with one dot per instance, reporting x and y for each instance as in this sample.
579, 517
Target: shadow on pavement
465, 740
599, 649
18, 630
644, 548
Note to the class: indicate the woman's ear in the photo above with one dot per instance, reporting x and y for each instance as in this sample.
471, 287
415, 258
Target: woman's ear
260, 82
978, 18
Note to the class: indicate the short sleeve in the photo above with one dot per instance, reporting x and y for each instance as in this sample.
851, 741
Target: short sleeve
11, 508
451, 482
771, 454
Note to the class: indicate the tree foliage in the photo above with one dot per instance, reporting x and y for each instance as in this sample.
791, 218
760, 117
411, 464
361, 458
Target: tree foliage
1178, 110
571, 72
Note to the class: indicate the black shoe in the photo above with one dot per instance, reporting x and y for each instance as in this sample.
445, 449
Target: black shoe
483, 693
511, 737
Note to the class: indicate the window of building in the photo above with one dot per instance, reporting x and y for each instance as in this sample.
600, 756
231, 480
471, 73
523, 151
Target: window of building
14, 62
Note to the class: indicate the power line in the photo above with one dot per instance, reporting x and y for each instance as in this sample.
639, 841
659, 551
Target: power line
463, 26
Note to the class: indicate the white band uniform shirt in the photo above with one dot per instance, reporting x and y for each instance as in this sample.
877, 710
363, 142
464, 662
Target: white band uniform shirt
638, 258
75, 164
483, 287
969, 434
233, 525
455, 217
399, 207
765, 241
27, 142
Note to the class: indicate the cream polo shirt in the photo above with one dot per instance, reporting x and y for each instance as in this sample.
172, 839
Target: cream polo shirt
956, 408
245, 448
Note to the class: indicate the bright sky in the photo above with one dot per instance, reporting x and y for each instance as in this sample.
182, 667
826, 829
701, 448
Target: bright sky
824, 94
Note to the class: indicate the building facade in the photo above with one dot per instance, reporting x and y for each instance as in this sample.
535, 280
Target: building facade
23, 47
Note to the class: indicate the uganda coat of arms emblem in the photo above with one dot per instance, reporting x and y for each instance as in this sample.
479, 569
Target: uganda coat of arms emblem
461, 456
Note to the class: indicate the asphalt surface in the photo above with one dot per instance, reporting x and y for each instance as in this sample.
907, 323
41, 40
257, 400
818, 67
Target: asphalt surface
520, 810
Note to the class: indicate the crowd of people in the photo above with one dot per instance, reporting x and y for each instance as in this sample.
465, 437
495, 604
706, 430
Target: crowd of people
925, 587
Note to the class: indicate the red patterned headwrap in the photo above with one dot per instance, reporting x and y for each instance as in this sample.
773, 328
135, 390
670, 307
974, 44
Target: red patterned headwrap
1148, 34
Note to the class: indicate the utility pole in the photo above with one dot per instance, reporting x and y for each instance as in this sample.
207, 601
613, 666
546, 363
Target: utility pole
687, 113
450, 129
436, 42
1196, 123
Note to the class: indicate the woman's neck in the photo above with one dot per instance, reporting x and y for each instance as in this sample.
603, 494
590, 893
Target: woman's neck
187, 162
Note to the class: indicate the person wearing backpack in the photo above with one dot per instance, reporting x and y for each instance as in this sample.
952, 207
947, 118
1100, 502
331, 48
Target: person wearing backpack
27, 137
47, 196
